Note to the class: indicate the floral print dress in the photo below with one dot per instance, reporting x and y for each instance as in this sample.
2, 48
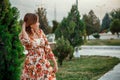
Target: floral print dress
36, 65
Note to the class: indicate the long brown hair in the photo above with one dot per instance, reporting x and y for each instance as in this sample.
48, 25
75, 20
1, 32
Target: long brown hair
30, 18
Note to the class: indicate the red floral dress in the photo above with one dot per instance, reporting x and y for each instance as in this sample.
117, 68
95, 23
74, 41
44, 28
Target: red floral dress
36, 65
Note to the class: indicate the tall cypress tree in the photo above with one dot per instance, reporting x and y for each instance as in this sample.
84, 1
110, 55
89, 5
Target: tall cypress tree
43, 20
11, 50
55, 25
92, 23
76, 37
106, 22
71, 28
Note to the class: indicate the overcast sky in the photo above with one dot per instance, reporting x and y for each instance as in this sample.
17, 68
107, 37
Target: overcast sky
100, 7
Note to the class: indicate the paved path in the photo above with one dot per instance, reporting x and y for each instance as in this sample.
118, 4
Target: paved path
112, 53
113, 74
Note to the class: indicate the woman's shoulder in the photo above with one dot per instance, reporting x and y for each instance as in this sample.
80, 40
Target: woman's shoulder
41, 31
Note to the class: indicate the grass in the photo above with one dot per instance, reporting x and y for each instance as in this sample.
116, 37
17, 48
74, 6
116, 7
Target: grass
113, 42
86, 68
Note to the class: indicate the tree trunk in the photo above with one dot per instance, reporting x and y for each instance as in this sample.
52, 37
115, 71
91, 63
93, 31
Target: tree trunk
88, 38
118, 34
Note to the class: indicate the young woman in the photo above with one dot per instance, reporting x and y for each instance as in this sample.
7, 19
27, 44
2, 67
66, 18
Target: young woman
36, 65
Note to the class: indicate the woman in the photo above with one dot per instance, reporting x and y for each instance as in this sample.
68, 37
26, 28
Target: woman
36, 65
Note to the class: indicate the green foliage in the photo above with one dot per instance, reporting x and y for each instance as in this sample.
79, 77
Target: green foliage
43, 20
63, 49
105, 22
71, 28
115, 14
92, 23
76, 37
115, 26
65, 28
55, 25
11, 50
96, 35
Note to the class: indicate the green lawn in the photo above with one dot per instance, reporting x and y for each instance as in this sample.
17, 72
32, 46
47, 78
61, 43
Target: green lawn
86, 68
115, 42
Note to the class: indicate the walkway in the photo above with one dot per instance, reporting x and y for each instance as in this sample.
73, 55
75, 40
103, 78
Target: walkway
113, 74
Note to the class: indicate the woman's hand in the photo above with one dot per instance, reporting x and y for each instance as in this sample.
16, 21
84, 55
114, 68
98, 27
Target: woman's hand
23, 26
55, 65
55, 68
24, 33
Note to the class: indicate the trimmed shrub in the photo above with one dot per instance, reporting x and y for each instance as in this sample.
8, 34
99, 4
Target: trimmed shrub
63, 50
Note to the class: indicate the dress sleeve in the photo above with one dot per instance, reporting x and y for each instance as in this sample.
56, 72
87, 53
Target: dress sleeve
26, 42
47, 48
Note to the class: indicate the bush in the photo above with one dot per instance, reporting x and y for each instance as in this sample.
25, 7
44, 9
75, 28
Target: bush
63, 50
96, 35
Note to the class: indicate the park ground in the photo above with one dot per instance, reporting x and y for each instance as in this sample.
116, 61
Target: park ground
88, 67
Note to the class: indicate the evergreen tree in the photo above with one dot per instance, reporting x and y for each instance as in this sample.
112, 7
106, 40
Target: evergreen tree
63, 29
88, 26
55, 25
115, 26
63, 50
11, 50
115, 14
115, 23
76, 37
72, 28
92, 23
43, 20
105, 22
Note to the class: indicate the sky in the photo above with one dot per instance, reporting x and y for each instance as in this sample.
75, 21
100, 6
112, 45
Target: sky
62, 7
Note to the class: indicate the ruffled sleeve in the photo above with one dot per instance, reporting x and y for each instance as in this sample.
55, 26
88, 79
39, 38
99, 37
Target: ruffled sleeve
27, 42
47, 48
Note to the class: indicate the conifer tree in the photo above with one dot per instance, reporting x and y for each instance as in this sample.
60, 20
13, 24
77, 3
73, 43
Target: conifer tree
92, 23
115, 22
11, 50
76, 37
43, 20
71, 28
106, 22
55, 25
